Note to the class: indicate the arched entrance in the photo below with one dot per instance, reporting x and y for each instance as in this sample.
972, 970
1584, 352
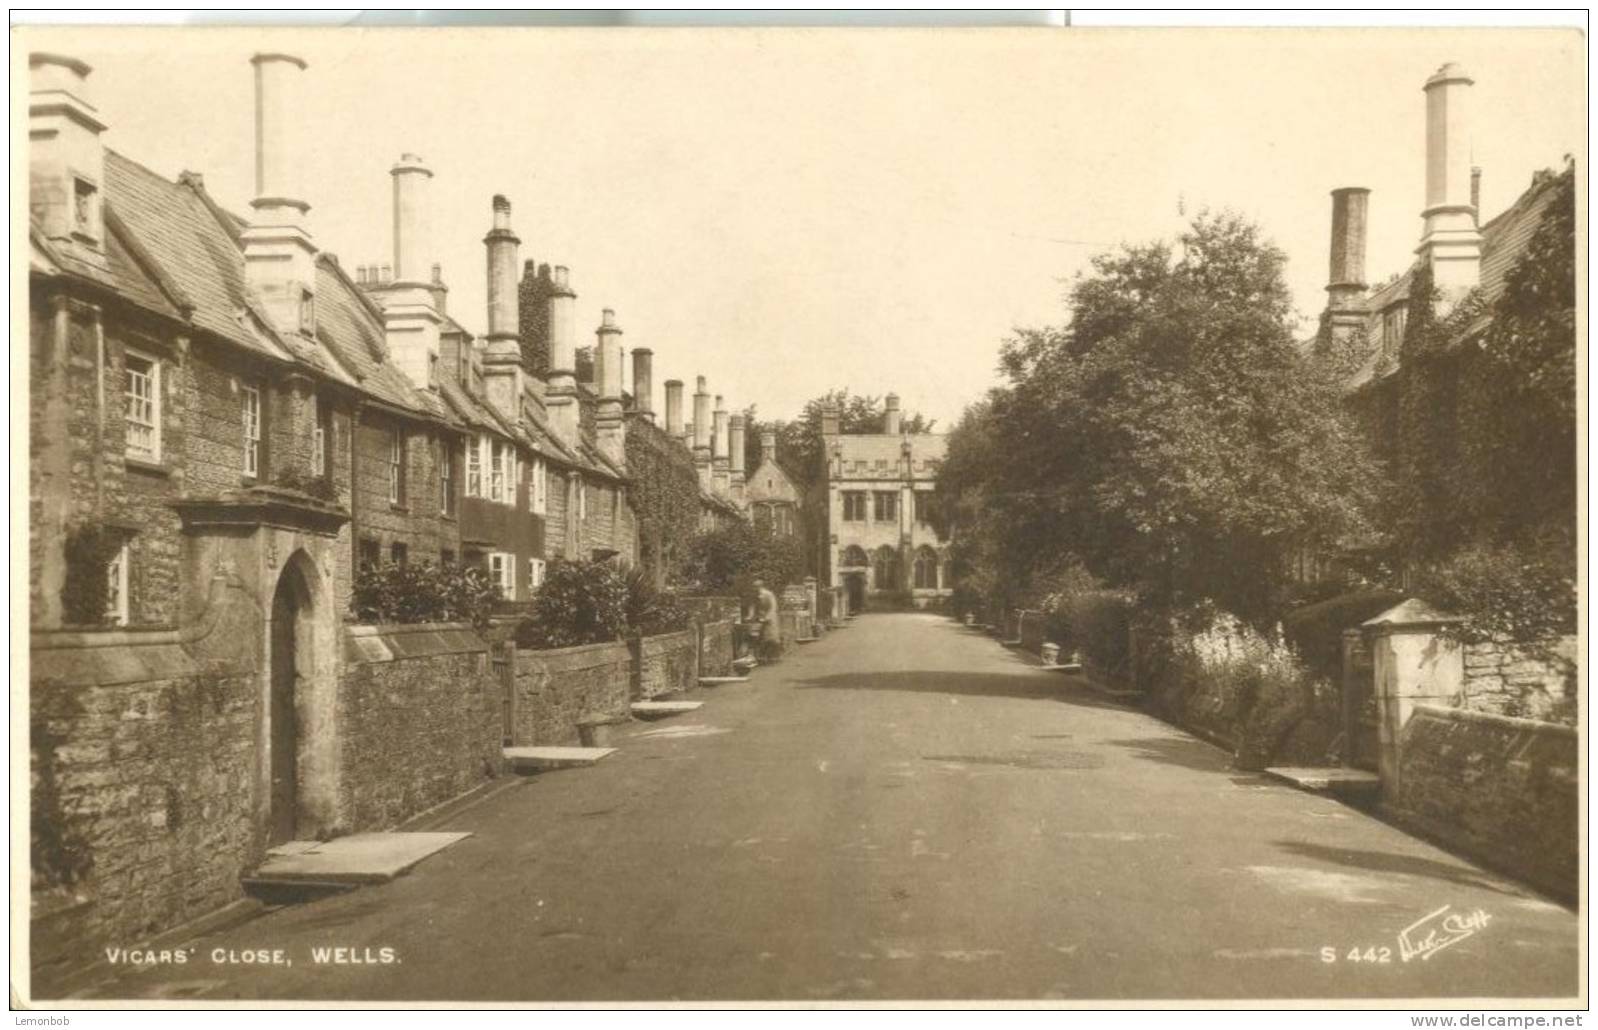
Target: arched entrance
293, 608
855, 584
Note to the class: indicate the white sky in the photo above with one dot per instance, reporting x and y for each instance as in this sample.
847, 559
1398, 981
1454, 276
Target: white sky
790, 211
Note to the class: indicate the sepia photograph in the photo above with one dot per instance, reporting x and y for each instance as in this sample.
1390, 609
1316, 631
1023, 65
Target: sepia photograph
799, 517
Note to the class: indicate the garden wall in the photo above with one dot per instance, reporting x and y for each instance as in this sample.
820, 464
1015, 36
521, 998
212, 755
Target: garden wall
420, 721
143, 785
665, 664
1499, 789
715, 648
712, 609
1502, 679
1031, 628
555, 690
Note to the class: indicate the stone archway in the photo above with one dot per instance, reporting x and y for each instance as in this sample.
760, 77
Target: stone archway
290, 635
299, 759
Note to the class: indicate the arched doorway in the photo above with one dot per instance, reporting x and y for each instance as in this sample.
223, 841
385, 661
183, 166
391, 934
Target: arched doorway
292, 611
926, 569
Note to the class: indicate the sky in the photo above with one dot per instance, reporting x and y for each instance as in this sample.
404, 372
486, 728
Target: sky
789, 211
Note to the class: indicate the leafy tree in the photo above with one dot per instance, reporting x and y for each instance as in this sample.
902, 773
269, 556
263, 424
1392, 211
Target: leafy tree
1172, 435
731, 557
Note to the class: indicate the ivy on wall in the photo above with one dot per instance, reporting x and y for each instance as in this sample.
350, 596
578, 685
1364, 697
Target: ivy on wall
665, 496
86, 590
1484, 469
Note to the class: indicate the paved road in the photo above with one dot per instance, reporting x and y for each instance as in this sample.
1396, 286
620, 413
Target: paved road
905, 810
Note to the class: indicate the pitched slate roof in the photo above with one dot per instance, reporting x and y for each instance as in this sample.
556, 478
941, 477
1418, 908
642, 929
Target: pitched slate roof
1504, 239
176, 230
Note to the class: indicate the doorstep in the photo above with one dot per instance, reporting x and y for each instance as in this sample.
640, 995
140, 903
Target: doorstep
538, 759
716, 681
657, 709
1336, 780
344, 862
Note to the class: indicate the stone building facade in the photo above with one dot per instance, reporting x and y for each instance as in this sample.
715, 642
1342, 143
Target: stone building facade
878, 541
225, 426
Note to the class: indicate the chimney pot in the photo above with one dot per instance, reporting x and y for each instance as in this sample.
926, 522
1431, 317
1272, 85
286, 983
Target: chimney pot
892, 421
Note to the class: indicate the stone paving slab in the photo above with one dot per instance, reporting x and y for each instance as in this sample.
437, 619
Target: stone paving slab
1328, 779
652, 708
536, 758
358, 858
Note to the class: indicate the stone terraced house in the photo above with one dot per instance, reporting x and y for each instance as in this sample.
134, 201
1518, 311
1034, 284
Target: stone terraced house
224, 427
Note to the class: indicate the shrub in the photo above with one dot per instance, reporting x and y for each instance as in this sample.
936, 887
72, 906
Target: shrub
1098, 624
423, 592
86, 589
580, 602
1316, 630
651, 610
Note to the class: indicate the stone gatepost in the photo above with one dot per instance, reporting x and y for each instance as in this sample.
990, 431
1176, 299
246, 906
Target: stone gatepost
810, 592
1416, 661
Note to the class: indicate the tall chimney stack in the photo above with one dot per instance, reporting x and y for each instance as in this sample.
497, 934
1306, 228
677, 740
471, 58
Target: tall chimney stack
411, 320
1345, 285
644, 382
502, 347
1450, 242
561, 398
279, 257
674, 426
735, 452
721, 466
892, 423
66, 161
702, 434
608, 423
829, 420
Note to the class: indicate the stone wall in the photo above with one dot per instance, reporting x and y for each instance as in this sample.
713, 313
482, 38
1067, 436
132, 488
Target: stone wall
1502, 790
144, 789
420, 721
1502, 679
1031, 629
716, 648
557, 689
665, 664
710, 608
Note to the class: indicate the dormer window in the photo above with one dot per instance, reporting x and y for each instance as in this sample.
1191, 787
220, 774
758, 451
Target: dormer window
85, 208
307, 312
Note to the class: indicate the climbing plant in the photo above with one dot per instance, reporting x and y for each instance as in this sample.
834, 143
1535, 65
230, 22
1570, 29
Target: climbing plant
665, 495
86, 590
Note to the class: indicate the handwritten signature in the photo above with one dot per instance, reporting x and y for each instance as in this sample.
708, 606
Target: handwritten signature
1437, 930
